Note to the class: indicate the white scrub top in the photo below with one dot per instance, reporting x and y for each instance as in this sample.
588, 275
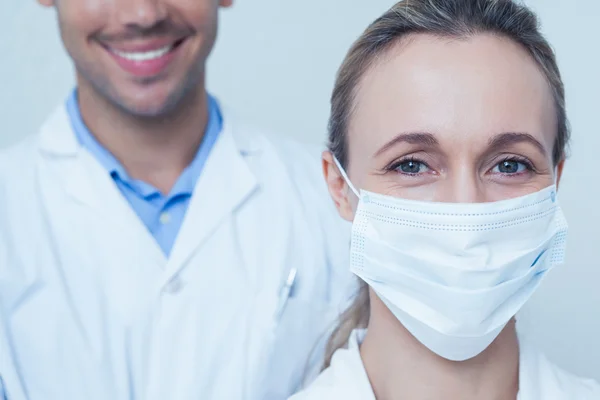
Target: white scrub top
90, 307
347, 379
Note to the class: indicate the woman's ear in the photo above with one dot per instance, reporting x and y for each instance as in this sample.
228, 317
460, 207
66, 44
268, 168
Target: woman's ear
46, 3
225, 3
559, 171
338, 188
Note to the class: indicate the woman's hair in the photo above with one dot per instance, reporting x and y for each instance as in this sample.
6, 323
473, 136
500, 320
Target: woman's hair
446, 19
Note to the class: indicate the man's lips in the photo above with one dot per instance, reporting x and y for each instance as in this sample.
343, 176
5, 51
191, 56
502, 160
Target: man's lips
137, 46
144, 59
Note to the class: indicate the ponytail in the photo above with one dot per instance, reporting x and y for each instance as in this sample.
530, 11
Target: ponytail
355, 317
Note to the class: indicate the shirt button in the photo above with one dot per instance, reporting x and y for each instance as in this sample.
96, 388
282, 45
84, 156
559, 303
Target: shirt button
165, 218
173, 286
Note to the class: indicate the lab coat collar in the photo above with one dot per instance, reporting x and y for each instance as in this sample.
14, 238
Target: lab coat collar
225, 183
56, 135
84, 179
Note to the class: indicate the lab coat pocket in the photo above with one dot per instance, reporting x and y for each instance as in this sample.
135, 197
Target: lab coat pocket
294, 346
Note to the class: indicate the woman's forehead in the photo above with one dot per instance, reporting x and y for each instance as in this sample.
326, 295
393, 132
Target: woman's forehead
470, 88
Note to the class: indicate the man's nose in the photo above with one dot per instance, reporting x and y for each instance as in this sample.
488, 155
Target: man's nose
143, 14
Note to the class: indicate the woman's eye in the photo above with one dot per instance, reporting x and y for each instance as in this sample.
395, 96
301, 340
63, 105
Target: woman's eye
510, 167
412, 167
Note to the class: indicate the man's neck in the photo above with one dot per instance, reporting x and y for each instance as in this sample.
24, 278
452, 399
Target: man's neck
154, 150
399, 367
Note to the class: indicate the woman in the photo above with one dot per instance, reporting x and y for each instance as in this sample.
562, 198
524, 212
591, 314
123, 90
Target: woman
449, 117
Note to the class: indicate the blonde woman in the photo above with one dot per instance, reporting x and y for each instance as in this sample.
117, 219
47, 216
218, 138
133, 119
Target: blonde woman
447, 144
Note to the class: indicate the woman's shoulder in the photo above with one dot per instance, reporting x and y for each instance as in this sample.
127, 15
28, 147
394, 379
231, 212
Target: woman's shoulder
542, 379
345, 378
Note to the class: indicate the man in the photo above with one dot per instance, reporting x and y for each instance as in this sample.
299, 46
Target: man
151, 245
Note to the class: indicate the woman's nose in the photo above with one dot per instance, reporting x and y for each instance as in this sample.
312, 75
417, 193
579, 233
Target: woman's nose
461, 187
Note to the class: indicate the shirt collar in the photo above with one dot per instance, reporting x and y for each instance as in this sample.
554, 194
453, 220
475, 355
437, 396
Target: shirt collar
186, 182
88, 141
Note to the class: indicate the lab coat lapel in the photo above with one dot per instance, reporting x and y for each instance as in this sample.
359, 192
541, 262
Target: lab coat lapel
225, 183
60, 148
88, 183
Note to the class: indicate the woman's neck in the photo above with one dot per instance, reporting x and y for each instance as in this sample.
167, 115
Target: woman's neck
400, 367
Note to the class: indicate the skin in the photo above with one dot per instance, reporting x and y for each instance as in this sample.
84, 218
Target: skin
152, 124
447, 120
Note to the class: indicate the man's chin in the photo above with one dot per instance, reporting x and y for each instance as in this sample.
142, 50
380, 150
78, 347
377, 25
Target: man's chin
149, 108
146, 110
157, 100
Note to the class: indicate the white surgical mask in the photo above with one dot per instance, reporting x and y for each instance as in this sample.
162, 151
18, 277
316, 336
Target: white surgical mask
454, 274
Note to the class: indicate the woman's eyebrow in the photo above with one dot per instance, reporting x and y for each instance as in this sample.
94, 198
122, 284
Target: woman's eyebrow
507, 139
422, 138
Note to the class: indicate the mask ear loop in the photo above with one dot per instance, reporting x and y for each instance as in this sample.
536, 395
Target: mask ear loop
345, 176
555, 181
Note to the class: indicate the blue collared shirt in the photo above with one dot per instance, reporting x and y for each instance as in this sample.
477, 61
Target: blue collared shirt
162, 214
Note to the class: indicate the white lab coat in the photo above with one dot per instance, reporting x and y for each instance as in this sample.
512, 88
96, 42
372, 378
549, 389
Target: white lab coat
91, 309
539, 379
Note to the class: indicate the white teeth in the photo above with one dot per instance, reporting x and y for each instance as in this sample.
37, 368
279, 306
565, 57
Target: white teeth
144, 56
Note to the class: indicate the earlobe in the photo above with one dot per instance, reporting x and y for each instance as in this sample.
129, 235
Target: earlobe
338, 188
226, 3
46, 3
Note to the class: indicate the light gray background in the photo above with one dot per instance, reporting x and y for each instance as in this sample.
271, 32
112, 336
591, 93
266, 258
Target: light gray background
274, 64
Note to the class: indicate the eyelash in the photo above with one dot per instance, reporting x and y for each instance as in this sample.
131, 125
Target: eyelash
519, 159
395, 166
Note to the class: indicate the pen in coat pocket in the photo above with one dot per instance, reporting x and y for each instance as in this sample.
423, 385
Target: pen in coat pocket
284, 294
